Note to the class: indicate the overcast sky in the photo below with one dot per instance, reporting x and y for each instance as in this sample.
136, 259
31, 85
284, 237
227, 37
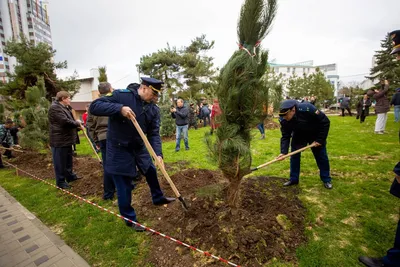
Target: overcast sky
90, 33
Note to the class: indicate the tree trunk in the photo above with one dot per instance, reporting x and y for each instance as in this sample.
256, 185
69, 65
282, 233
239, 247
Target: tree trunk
234, 192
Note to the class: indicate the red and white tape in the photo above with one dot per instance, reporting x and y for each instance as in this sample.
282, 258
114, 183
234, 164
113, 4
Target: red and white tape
126, 219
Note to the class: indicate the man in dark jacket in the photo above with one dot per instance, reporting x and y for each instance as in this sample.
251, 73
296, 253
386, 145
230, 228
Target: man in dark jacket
363, 108
382, 106
125, 148
97, 128
302, 124
205, 114
192, 116
345, 105
181, 116
396, 103
63, 134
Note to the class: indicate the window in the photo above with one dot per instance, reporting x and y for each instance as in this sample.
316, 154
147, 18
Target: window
3, 43
294, 70
30, 33
288, 69
2, 35
304, 70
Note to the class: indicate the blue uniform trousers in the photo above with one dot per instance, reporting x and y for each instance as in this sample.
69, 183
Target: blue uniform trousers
392, 257
125, 185
320, 155
108, 183
62, 160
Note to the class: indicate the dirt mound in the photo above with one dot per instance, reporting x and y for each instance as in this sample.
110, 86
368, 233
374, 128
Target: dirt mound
268, 225
271, 124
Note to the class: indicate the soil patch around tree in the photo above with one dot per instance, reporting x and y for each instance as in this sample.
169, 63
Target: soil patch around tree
268, 226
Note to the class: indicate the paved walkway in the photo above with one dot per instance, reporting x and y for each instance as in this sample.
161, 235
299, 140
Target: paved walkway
26, 241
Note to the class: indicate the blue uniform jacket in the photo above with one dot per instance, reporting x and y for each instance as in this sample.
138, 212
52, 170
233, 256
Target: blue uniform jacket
125, 147
308, 124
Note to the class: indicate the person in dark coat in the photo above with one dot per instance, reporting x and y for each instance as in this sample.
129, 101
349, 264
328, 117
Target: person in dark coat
392, 257
363, 108
192, 116
125, 148
382, 106
396, 103
302, 124
97, 129
181, 116
63, 135
345, 105
205, 114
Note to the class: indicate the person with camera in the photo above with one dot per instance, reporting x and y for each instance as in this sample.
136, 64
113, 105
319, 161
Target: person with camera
181, 116
382, 106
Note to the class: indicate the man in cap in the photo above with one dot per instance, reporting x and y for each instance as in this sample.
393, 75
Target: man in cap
125, 148
302, 124
395, 36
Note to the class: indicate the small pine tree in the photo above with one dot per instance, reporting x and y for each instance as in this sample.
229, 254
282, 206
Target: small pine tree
167, 127
386, 68
240, 93
35, 135
103, 74
2, 117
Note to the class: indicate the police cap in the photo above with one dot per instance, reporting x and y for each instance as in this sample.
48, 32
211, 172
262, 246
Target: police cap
396, 169
286, 106
395, 35
154, 84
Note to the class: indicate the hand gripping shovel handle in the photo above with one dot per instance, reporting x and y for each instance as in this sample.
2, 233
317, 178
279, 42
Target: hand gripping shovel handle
158, 163
283, 157
91, 145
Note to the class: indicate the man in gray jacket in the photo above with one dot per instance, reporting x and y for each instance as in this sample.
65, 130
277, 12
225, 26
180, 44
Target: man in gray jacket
181, 116
97, 127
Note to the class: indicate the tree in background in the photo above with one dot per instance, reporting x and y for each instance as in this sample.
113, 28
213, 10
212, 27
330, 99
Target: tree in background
314, 84
35, 135
165, 65
386, 68
35, 61
187, 72
240, 94
103, 74
275, 89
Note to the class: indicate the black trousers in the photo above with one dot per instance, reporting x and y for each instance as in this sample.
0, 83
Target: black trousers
62, 160
348, 110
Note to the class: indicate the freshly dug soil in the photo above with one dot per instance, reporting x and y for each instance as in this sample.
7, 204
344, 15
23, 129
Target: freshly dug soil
268, 225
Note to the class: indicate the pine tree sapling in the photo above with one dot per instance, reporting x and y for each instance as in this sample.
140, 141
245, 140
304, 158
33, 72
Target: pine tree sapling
35, 135
240, 94
103, 74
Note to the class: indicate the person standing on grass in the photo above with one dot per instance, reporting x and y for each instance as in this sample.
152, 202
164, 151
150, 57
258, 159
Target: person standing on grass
7, 140
382, 106
345, 105
125, 148
363, 108
181, 116
63, 135
97, 128
302, 124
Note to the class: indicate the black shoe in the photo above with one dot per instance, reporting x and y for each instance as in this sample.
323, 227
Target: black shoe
66, 186
371, 262
328, 185
74, 179
135, 227
187, 148
290, 182
165, 200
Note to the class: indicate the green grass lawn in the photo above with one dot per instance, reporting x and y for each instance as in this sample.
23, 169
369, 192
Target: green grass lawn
357, 217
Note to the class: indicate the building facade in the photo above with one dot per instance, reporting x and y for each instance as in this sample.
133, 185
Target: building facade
87, 92
22, 17
306, 67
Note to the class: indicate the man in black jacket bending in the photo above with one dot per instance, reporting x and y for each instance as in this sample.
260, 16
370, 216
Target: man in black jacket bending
181, 116
63, 135
302, 124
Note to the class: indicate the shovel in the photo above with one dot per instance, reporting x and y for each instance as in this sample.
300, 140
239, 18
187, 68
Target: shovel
158, 163
91, 144
283, 157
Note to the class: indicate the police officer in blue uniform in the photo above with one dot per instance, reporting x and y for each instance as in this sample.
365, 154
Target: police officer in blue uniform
125, 147
303, 124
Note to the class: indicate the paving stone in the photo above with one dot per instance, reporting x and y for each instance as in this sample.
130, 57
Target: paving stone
41, 260
32, 248
18, 230
24, 238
